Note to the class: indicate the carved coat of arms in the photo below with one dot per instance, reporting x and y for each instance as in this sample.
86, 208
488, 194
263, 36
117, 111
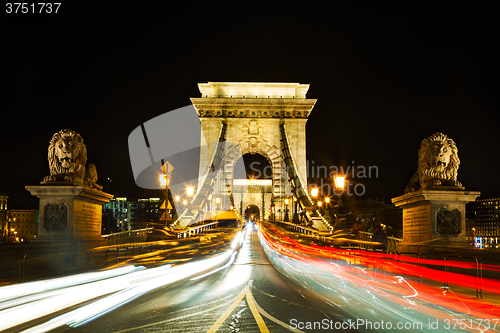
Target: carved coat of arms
252, 132
448, 222
56, 216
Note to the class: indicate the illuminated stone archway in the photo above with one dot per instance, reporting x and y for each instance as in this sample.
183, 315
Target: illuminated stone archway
252, 213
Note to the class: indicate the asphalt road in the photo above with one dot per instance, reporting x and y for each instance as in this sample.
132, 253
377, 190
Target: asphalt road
248, 296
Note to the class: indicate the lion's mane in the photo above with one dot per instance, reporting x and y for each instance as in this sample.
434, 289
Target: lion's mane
428, 172
431, 175
76, 172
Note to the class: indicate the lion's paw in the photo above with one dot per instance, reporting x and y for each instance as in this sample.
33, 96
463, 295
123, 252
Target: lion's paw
48, 179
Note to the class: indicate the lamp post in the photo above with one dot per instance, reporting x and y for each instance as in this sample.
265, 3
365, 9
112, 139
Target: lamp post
190, 194
167, 169
287, 219
164, 182
327, 209
295, 218
314, 195
339, 190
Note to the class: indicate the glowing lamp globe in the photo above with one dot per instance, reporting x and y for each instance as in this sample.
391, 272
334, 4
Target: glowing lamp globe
339, 182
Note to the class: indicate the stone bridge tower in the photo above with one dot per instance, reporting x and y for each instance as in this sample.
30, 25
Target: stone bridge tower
253, 113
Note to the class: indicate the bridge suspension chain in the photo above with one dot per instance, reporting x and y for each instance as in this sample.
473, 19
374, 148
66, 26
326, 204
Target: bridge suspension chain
193, 211
298, 189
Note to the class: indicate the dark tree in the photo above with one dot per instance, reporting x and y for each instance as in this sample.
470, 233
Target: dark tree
109, 222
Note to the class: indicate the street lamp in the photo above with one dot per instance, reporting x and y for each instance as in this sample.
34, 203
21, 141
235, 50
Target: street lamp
163, 180
190, 191
339, 183
217, 201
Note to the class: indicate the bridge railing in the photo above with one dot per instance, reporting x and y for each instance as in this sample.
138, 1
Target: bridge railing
130, 236
194, 230
392, 242
321, 235
23, 264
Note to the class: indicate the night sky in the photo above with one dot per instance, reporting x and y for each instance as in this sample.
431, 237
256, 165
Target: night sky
385, 76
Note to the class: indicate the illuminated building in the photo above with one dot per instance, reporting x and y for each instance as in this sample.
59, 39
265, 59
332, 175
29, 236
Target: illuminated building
3, 218
132, 212
23, 225
487, 226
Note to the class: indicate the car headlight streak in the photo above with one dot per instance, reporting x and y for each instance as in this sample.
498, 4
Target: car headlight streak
24, 302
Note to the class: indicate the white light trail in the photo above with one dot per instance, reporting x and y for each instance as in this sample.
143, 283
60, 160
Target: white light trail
25, 302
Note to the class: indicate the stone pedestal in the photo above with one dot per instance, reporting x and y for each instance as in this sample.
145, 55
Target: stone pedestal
70, 214
433, 217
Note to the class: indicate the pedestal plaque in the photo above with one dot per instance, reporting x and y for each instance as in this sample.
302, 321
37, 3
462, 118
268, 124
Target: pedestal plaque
433, 217
71, 214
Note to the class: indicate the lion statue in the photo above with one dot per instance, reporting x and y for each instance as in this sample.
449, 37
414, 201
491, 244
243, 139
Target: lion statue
437, 164
67, 158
